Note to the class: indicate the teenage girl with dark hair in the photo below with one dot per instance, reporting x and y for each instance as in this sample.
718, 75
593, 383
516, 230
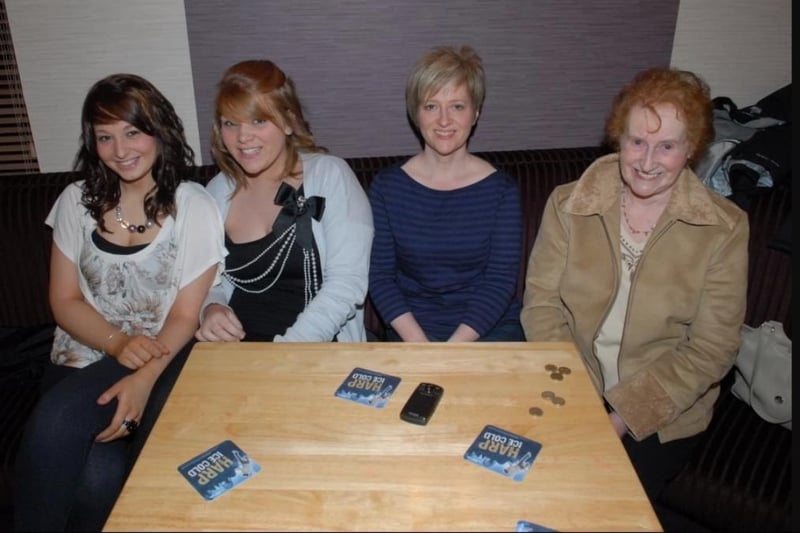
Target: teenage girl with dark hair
135, 251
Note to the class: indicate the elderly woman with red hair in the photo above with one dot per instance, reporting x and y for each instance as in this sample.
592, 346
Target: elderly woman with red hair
645, 270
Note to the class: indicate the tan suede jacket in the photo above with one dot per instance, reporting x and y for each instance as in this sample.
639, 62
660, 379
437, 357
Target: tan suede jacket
686, 304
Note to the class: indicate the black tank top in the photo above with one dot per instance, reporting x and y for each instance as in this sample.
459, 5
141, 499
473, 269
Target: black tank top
266, 313
275, 277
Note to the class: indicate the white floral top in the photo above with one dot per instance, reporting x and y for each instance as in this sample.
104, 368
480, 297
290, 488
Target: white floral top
135, 291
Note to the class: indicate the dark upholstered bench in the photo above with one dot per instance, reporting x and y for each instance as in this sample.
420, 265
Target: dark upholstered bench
740, 477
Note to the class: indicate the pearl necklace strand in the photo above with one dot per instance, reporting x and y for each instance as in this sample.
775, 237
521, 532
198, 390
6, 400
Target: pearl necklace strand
635, 231
133, 228
309, 274
287, 240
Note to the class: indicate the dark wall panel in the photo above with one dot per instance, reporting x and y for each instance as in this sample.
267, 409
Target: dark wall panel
552, 65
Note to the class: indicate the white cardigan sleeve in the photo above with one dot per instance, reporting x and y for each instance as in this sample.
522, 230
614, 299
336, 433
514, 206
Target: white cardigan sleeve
344, 239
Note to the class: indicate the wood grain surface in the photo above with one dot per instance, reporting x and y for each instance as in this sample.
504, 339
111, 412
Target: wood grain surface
336, 465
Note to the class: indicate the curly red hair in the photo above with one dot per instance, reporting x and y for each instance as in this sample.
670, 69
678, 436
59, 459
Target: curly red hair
686, 91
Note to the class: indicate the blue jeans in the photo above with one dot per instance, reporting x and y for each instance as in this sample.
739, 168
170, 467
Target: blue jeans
64, 480
508, 331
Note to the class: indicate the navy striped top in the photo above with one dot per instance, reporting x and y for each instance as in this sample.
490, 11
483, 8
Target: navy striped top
449, 257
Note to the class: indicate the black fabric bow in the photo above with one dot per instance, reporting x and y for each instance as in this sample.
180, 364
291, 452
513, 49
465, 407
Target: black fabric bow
300, 210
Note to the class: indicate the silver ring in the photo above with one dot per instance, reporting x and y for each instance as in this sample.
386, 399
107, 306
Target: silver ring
130, 425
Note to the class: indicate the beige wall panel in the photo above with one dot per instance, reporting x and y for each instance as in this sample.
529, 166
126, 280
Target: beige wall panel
64, 46
742, 48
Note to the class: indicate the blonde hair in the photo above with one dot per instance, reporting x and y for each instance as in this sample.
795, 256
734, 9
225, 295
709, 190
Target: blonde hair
441, 66
258, 89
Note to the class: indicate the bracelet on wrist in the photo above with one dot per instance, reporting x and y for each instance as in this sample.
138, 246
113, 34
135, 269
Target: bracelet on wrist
108, 339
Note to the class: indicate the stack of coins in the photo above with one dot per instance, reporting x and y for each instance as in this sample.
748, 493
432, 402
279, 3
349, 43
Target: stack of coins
557, 373
558, 401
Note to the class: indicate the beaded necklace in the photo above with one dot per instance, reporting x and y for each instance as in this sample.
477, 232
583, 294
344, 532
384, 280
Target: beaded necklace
133, 228
292, 227
286, 241
635, 231
631, 251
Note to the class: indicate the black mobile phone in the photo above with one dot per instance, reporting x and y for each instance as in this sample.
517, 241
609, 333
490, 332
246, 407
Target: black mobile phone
422, 403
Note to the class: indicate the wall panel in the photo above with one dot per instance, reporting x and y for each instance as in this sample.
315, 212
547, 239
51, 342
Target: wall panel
743, 49
552, 65
64, 47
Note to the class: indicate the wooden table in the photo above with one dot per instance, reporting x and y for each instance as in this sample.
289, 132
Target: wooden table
335, 465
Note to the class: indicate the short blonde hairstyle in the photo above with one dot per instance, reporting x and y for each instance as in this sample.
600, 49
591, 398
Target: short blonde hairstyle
686, 91
441, 66
258, 89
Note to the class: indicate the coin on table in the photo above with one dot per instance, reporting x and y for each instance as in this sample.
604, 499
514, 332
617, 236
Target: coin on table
556, 376
558, 401
550, 368
535, 411
564, 370
548, 394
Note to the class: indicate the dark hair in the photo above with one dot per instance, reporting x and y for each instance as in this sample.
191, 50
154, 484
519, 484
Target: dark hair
132, 99
681, 88
257, 88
